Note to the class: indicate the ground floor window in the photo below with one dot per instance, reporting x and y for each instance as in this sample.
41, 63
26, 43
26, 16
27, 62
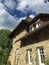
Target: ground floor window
29, 56
42, 54
40, 51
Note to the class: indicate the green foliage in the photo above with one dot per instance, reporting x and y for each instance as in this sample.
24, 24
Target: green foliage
47, 61
5, 46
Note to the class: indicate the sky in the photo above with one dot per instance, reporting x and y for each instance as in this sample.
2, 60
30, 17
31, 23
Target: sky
13, 11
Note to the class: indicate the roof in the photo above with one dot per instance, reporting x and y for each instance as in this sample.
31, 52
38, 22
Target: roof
37, 30
29, 21
41, 16
46, 26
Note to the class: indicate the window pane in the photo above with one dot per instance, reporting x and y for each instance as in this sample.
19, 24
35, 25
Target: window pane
42, 58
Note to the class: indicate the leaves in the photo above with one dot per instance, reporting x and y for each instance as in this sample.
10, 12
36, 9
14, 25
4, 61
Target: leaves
47, 61
5, 46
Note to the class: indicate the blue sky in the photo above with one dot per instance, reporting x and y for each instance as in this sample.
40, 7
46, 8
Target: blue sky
13, 11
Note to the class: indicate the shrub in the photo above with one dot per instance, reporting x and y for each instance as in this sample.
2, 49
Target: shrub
47, 61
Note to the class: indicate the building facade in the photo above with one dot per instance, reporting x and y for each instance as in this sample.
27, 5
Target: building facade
30, 41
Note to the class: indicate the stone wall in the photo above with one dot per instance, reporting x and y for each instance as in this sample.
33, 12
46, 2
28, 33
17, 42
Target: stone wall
45, 44
40, 38
22, 57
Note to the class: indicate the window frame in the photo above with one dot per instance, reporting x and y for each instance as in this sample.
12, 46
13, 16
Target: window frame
41, 54
34, 25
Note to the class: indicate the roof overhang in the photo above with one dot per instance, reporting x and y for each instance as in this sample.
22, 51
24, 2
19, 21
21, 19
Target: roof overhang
24, 22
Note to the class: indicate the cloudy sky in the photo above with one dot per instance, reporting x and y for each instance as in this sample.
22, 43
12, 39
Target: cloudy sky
13, 11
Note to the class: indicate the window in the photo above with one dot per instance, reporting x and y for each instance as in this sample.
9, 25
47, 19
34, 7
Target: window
42, 54
31, 28
16, 56
34, 26
37, 24
29, 56
17, 53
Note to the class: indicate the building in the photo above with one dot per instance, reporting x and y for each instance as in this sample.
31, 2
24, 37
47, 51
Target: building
48, 0
30, 41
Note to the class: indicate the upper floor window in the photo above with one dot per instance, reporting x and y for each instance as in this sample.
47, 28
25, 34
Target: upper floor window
34, 26
37, 24
31, 28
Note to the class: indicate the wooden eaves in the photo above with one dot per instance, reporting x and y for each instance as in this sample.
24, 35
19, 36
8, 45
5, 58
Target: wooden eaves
35, 31
24, 22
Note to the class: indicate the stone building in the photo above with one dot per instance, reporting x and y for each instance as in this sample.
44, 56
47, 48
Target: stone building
30, 41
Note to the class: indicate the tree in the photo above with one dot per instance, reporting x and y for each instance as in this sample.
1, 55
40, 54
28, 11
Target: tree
5, 46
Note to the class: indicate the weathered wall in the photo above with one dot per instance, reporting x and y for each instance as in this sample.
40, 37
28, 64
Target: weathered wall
12, 57
16, 45
23, 33
45, 44
40, 38
22, 58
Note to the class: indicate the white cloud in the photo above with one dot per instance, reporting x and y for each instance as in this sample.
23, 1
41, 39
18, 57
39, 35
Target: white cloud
22, 18
34, 5
7, 21
22, 4
32, 16
10, 3
26, 5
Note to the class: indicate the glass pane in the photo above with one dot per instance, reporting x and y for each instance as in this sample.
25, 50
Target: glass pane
42, 58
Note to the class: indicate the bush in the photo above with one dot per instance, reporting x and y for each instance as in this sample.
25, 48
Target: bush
47, 61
